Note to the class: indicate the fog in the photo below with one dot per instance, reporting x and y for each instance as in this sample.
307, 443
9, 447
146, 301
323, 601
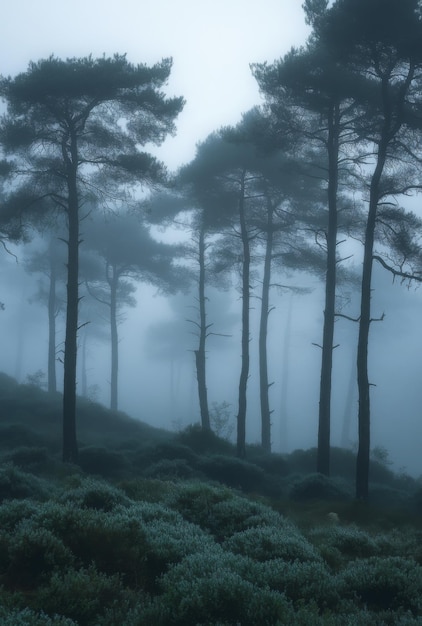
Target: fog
212, 48
157, 377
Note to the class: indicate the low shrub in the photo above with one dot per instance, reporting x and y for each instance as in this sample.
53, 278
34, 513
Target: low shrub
27, 457
101, 461
218, 510
84, 595
265, 543
15, 483
26, 617
206, 589
204, 441
233, 472
349, 541
165, 451
33, 555
317, 487
302, 582
390, 583
94, 494
166, 469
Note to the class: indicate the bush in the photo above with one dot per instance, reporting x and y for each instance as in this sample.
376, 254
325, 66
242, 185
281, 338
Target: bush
94, 494
233, 472
384, 583
265, 543
33, 555
204, 441
100, 461
27, 457
348, 541
26, 617
207, 589
170, 451
167, 469
301, 582
84, 595
317, 487
14, 483
12, 512
113, 541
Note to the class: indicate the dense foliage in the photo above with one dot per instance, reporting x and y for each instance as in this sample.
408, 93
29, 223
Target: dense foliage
173, 529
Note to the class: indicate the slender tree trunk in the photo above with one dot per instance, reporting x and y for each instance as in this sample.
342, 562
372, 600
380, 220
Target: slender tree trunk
263, 331
200, 353
52, 312
70, 446
364, 414
84, 375
284, 421
348, 409
113, 282
244, 372
324, 424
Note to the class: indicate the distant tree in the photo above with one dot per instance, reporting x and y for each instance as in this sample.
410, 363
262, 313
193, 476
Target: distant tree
75, 127
49, 263
190, 206
317, 88
125, 253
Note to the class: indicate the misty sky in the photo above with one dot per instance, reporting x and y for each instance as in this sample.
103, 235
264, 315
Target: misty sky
212, 43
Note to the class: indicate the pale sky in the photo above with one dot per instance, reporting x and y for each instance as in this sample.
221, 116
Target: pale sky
212, 43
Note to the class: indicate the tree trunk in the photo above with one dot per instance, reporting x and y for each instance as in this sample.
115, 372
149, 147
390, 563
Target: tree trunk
200, 353
324, 423
284, 421
70, 446
364, 414
244, 372
113, 282
52, 381
263, 331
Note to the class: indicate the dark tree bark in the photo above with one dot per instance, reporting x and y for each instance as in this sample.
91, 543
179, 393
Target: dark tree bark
244, 372
70, 157
364, 414
52, 312
113, 281
263, 332
200, 353
323, 455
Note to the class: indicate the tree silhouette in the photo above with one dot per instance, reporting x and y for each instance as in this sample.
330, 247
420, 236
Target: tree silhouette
75, 127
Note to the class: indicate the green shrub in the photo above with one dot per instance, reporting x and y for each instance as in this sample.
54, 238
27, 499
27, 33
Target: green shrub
146, 489
100, 461
317, 487
301, 582
83, 595
113, 541
15, 483
204, 441
218, 510
233, 472
167, 450
265, 543
349, 541
94, 494
384, 583
206, 588
33, 555
167, 469
28, 457
12, 512
26, 617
